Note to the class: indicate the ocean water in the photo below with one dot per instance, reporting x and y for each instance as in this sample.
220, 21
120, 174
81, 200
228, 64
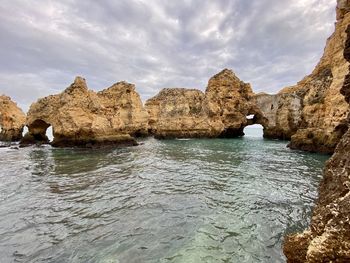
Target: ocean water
219, 200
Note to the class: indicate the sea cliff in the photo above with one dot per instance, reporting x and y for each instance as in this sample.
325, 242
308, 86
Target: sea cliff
328, 237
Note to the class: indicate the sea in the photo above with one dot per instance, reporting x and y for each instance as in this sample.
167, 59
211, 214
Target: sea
185, 200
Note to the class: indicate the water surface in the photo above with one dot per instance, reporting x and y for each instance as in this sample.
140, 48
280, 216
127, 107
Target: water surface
220, 200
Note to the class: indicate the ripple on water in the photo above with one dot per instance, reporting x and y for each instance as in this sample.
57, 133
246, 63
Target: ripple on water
163, 201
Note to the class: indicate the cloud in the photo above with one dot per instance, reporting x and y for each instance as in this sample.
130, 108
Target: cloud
157, 44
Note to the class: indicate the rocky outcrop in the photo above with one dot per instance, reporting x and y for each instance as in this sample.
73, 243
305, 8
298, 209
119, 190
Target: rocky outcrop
324, 109
221, 112
178, 113
312, 114
283, 114
228, 102
328, 237
12, 120
82, 117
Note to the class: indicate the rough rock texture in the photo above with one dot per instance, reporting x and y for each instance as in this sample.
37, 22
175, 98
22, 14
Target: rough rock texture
228, 102
324, 108
178, 113
81, 117
328, 237
221, 112
12, 120
283, 114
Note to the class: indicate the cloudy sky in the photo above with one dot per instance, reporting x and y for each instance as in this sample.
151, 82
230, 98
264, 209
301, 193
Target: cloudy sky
156, 43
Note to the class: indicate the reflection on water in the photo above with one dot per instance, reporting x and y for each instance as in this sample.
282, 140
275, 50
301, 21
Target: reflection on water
163, 201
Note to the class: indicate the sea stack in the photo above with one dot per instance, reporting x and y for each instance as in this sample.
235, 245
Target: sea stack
82, 117
12, 120
219, 112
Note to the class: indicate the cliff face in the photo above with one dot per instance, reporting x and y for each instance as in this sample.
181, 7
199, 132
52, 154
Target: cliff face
178, 113
328, 238
12, 120
79, 116
221, 112
324, 109
228, 102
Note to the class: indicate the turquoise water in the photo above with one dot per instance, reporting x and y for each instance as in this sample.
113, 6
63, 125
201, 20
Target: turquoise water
220, 200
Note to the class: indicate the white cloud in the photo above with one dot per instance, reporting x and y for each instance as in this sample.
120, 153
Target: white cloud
157, 44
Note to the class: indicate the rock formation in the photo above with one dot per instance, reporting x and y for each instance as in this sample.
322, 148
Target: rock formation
81, 117
324, 109
328, 237
221, 112
283, 114
228, 102
12, 120
178, 113
312, 113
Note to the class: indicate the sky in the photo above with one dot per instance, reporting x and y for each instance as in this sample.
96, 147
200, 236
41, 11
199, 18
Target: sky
157, 44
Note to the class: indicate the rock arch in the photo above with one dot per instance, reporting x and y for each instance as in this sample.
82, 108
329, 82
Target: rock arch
36, 132
82, 117
280, 114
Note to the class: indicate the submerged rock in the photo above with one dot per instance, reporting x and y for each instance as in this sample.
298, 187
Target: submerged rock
82, 117
328, 237
12, 120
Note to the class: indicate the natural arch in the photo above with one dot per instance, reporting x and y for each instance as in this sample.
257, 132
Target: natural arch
36, 133
257, 120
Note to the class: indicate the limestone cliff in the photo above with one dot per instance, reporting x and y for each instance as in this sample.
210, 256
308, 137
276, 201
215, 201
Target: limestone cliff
323, 107
12, 120
178, 113
328, 237
221, 112
228, 102
80, 116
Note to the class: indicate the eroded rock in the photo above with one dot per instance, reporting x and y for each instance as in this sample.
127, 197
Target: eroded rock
12, 120
283, 114
228, 102
324, 108
328, 237
221, 112
82, 117
178, 113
